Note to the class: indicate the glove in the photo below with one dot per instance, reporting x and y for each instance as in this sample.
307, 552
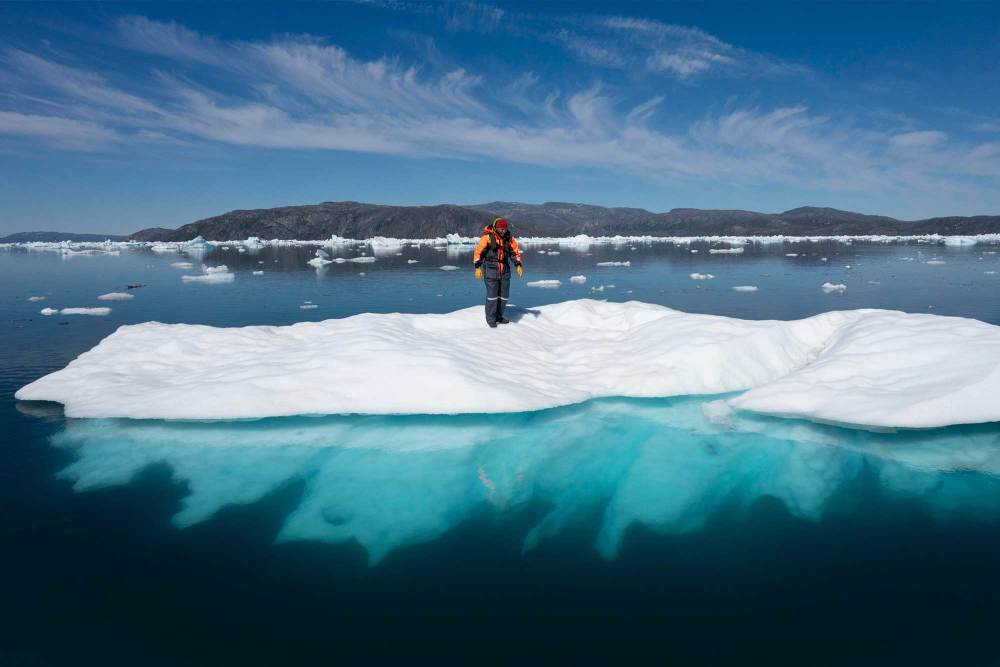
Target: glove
479, 273
520, 271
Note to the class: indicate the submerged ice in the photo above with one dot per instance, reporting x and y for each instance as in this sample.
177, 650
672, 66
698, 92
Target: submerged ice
864, 367
670, 465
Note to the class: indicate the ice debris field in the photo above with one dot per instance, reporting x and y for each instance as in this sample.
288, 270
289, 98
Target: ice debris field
867, 368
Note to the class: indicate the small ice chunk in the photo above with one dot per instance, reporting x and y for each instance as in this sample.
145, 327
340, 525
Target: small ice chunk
745, 288
831, 287
629, 263
413, 261
221, 268
544, 283
578, 280
823, 259
935, 261
36, 298
182, 265
694, 250
791, 254
363, 259
701, 276
258, 273
726, 251
49, 311
85, 311
308, 306
210, 278
553, 252
116, 296
989, 273
448, 267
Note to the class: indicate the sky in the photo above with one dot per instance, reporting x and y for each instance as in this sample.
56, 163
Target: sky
116, 117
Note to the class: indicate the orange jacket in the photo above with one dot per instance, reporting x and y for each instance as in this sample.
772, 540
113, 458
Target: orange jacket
492, 243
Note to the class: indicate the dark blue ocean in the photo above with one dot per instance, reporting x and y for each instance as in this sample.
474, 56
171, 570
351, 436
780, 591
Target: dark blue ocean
615, 530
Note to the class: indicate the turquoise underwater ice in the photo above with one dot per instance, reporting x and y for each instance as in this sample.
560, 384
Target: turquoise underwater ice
389, 482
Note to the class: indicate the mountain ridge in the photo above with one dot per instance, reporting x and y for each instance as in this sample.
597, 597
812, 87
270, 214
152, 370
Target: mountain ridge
351, 219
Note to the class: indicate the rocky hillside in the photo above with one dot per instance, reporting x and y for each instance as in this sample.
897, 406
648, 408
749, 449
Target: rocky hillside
357, 220
56, 237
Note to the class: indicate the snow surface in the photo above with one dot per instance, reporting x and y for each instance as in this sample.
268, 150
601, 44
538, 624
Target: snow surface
863, 367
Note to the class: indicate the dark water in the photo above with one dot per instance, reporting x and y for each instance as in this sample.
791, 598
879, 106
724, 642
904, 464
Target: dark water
618, 530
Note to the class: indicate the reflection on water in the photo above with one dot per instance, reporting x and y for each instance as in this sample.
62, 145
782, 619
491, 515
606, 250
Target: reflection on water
390, 482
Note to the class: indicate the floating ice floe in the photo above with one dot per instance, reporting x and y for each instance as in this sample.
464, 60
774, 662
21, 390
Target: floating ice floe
791, 254
701, 276
544, 283
935, 261
258, 273
413, 261
212, 274
322, 258
831, 287
36, 298
116, 296
744, 288
182, 265
872, 368
308, 306
578, 280
76, 311
726, 251
448, 267
628, 263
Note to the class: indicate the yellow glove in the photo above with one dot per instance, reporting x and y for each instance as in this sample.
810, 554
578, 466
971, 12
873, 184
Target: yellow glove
479, 273
520, 271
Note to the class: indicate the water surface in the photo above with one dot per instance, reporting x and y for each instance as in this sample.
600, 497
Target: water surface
616, 528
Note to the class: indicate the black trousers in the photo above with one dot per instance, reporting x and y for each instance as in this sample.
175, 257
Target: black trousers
497, 291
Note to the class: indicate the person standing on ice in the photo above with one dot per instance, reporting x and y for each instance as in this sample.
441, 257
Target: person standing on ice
496, 249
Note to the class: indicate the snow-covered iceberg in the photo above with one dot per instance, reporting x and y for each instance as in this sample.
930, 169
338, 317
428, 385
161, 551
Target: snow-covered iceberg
863, 367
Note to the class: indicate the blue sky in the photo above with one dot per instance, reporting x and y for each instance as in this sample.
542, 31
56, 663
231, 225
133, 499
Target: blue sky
115, 117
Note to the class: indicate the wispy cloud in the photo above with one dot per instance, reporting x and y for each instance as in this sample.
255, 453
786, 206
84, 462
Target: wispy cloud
298, 92
62, 132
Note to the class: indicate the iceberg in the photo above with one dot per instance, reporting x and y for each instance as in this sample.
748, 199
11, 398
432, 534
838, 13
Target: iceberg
391, 482
867, 368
